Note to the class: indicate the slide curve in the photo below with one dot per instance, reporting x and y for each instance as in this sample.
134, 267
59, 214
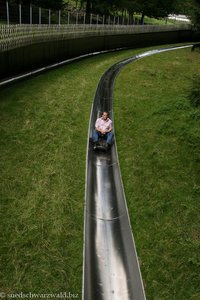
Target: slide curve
111, 269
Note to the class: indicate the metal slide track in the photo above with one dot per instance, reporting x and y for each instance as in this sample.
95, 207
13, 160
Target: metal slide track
111, 269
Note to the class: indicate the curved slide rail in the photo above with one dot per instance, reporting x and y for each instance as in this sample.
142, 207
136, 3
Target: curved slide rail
110, 269
15, 79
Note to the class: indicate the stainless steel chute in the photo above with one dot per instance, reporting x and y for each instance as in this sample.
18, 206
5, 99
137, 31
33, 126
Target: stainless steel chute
111, 268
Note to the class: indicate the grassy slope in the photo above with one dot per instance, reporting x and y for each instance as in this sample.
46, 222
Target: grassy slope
158, 142
44, 123
43, 138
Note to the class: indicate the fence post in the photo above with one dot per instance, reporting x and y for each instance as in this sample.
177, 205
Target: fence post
77, 19
97, 19
49, 17
90, 19
103, 19
84, 19
109, 20
114, 21
68, 18
59, 19
7, 13
30, 14
20, 13
40, 15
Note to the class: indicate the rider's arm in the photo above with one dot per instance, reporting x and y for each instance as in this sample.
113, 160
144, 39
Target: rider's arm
97, 128
110, 128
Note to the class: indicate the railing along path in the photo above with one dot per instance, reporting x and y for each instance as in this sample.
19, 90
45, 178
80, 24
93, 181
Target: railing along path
14, 36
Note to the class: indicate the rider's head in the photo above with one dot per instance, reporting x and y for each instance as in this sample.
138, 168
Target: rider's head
105, 115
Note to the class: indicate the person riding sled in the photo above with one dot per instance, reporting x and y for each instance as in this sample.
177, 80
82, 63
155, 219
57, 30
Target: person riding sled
103, 129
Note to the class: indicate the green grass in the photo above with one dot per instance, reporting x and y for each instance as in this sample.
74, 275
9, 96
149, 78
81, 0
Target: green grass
44, 123
159, 21
162, 21
158, 137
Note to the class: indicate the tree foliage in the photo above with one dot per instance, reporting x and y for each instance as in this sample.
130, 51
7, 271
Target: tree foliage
195, 13
150, 8
52, 4
155, 8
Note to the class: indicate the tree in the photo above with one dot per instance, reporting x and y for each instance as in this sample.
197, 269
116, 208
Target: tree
191, 8
194, 13
99, 7
150, 8
130, 5
52, 4
154, 8
182, 7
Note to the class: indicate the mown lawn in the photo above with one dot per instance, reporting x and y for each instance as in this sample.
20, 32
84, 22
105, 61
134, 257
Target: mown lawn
44, 123
158, 138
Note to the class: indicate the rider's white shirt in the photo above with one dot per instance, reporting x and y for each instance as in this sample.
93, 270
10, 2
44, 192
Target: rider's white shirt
103, 124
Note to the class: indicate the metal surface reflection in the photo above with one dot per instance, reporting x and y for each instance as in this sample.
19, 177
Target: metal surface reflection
111, 265
111, 268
